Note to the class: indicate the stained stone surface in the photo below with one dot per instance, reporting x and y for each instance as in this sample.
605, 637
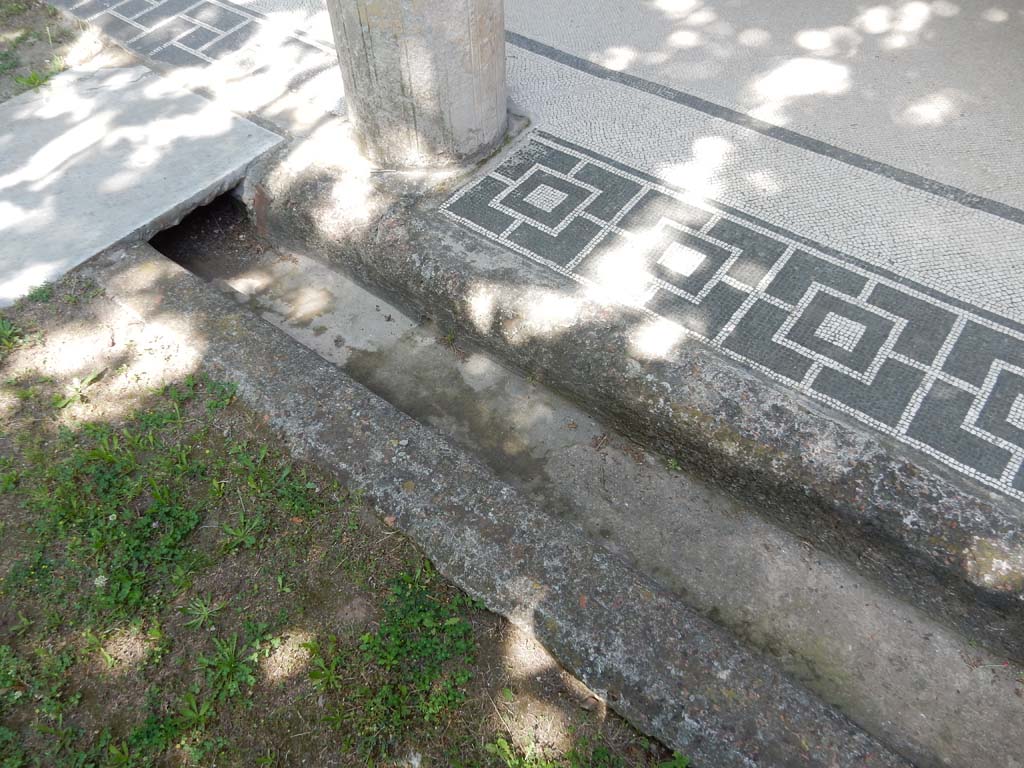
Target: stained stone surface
671, 671
697, 542
99, 156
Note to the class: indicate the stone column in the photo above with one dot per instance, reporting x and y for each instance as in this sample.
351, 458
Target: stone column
424, 79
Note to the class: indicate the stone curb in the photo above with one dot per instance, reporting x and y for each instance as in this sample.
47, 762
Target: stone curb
671, 672
894, 512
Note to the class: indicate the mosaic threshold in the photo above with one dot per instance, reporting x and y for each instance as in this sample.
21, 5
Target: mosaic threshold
931, 371
185, 33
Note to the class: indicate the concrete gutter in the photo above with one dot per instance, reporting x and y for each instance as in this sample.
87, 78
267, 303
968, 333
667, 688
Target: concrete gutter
672, 673
897, 514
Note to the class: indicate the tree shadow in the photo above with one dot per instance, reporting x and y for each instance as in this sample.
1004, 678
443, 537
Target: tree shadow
923, 85
100, 157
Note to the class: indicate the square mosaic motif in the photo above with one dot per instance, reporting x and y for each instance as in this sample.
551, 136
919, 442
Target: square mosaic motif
841, 331
187, 33
924, 368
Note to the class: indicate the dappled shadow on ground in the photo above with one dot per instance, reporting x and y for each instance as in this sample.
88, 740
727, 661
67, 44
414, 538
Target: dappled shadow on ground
317, 565
923, 85
98, 156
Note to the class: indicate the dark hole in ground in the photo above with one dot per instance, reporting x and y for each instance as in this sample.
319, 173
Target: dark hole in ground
216, 240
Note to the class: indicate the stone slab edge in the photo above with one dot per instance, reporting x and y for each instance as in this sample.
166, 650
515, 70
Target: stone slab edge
674, 674
890, 510
227, 181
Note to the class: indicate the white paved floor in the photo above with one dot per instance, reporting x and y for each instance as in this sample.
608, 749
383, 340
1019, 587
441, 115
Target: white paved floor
961, 251
99, 156
823, 191
929, 87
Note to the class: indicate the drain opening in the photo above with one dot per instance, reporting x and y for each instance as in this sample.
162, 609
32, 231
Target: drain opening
215, 241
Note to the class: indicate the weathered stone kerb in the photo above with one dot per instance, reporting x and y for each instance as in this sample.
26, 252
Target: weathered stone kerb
671, 672
893, 511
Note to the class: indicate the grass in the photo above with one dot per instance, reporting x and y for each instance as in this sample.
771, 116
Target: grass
202, 611
164, 566
33, 79
39, 78
412, 669
176, 590
11, 8
35, 42
9, 61
583, 754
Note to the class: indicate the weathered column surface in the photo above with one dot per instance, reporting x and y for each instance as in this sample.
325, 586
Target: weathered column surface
424, 79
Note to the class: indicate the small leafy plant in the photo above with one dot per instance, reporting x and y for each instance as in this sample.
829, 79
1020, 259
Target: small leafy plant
10, 335
202, 610
33, 79
194, 714
326, 665
229, 671
76, 392
242, 533
41, 293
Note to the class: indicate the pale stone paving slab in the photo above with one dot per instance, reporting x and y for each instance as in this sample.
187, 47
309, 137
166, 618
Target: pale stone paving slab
97, 157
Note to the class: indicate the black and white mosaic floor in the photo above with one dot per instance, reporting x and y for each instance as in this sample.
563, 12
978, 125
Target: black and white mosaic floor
931, 371
195, 33
827, 193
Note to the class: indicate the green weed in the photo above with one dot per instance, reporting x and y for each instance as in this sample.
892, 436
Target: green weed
11, 9
582, 754
676, 761
10, 336
193, 714
202, 610
41, 293
111, 517
8, 481
14, 755
513, 758
413, 668
76, 391
230, 670
222, 394
325, 665
243, 533
33, 79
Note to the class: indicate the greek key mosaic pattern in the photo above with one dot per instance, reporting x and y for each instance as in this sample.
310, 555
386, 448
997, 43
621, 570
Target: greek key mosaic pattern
925, 369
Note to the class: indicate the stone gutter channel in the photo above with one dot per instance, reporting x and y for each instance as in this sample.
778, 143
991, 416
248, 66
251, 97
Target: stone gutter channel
673, 673
949, 545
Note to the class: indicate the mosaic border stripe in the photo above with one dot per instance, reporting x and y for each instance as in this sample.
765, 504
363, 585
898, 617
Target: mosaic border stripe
926, 369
